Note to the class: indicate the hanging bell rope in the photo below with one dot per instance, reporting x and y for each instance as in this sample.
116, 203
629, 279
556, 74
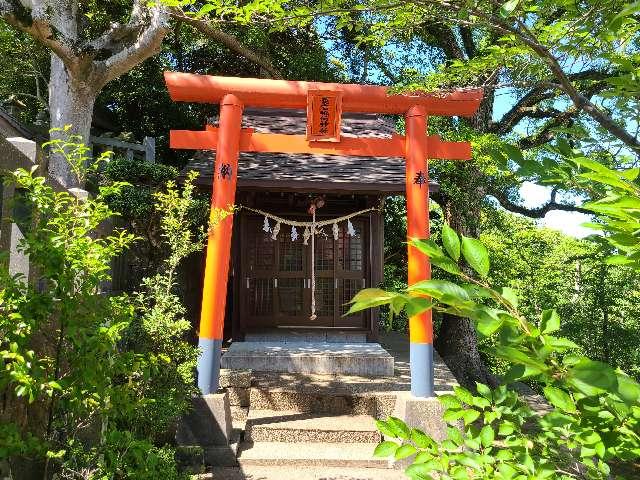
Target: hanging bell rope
313, 268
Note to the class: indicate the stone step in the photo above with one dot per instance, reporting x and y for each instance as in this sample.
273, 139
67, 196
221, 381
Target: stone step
301, 473
366, 359
296, 427
297, 336
328, 404
356, 455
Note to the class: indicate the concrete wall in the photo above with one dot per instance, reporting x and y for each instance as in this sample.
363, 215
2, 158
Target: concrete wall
15, 152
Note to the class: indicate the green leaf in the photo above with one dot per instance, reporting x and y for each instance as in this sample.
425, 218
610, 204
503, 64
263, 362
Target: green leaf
476, 255
487, 435
439, 288
385, 429
470, 416
446, 264
591, 377
463, 394
399, 427
550, 321
420, 471
428, 247
484, 390
509, 294
560, 399
451, 241
421, 439
449, 401
514, 153
405, 451
386, 449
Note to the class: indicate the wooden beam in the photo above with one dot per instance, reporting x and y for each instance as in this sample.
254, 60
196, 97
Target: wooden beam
348, 146
267, 93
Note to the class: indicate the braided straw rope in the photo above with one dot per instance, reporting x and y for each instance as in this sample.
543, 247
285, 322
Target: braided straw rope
294, 223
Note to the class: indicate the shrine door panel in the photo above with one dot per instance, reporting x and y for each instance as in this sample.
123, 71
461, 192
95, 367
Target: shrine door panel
275, 290
276, 276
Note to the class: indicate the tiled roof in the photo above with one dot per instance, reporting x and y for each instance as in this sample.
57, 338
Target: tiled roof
310, 171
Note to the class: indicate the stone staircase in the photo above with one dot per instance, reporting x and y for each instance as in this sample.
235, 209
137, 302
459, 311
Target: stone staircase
297, 420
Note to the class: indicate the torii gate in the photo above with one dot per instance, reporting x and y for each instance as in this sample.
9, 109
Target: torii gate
324, 103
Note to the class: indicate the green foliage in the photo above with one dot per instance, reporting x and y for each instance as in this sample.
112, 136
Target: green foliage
599, 302
93, 383
136, 205
596, 409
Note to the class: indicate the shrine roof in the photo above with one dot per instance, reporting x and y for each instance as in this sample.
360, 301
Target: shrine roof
311, 172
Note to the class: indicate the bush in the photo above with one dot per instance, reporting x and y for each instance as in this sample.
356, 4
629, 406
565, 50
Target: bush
594, 419
91, 383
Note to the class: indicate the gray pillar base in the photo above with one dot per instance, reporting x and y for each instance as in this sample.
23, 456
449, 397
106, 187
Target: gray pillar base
421, 364
209, 365
422, 413
208, 423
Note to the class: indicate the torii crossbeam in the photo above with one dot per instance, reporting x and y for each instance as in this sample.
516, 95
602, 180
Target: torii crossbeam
324, 103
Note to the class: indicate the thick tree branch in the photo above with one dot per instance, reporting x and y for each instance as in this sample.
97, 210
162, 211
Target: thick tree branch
146, 44
521, 31
229, 41
522, 108
539, 212
468, 42
36, 23
444, 37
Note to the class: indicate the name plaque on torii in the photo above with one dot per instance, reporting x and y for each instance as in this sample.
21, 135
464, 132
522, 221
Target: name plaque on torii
324, 104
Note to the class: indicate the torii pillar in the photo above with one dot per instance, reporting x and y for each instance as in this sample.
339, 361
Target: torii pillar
324, 103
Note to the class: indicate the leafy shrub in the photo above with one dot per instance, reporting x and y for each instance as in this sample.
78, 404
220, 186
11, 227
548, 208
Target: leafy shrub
595, 418
91, 383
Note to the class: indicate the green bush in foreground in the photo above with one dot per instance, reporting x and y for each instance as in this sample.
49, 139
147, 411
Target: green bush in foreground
594, 420
91, 384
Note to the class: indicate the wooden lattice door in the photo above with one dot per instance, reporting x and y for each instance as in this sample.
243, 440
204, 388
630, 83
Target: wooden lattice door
276, 277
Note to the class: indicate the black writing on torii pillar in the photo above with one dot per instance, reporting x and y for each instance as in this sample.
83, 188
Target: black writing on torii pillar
420, 179
225, 171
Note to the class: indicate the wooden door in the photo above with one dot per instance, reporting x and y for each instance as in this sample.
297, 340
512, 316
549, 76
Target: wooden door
276, 277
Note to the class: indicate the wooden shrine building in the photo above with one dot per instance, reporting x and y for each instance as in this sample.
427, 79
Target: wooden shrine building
309, 182
269, 285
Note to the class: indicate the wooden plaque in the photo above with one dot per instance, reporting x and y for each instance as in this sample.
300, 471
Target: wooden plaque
324, 115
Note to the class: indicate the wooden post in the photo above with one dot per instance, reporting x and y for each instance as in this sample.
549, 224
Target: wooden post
417, 192
214, 293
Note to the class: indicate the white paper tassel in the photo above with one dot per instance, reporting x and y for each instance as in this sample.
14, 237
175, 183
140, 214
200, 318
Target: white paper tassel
306, 235
276, 230
350, 230
266, 227
294, 234
335, 231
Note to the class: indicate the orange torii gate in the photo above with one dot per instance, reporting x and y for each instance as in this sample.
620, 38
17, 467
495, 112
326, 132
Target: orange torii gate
324, 103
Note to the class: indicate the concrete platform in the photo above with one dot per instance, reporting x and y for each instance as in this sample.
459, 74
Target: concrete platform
254, 472
303, 335
366, 359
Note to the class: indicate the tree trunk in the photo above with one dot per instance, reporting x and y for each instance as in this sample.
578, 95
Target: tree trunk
71, 102
457, 344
